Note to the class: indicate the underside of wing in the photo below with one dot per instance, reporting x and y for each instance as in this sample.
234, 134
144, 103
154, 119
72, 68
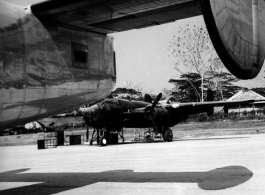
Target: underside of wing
236, 28
110, 16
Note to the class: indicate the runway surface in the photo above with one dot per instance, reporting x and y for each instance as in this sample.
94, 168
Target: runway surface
216, 165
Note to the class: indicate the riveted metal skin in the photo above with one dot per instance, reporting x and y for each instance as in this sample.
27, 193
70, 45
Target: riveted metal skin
39, 76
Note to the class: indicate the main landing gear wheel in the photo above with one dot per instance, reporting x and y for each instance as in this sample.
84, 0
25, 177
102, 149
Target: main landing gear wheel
168, 135
103, 141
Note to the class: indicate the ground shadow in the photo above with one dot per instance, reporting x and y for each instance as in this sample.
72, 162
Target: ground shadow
174, 140
217, 179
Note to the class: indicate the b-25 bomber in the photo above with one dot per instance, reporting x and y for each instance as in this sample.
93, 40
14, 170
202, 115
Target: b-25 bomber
112, 115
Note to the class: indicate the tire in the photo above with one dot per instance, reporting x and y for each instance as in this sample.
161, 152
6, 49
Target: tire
103, 141
168, 135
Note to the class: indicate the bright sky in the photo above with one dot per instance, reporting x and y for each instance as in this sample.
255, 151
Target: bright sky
142, 55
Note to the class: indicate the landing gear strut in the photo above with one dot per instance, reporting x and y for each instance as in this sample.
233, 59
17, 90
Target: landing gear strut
105, 136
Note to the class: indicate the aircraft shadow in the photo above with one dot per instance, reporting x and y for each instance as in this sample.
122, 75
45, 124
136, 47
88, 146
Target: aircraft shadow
217, 179
174, 140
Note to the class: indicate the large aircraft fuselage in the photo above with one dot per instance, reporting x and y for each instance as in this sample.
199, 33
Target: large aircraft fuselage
46, 68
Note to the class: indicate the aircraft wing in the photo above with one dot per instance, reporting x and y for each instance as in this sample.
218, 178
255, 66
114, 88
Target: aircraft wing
105, 17
236, 28
197, 105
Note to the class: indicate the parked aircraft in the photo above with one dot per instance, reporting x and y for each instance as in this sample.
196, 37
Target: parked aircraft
57, 55
112, 115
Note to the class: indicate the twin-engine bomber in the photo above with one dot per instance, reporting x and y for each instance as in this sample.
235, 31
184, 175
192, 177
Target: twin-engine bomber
112, 115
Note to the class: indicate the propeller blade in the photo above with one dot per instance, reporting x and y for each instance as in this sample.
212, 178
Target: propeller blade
157, 100
154, 125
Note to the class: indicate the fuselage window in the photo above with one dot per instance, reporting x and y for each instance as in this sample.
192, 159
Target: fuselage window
79, 55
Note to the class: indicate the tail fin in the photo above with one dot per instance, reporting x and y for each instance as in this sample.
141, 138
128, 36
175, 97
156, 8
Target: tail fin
147, 98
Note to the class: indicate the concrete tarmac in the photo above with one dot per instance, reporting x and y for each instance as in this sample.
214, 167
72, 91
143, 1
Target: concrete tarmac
213, 165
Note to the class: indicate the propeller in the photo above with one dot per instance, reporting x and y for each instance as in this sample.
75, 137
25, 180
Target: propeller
156, 100
151, 109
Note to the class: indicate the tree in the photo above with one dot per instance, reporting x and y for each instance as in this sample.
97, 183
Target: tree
259, 90
222, 84
135, 86
187, 87
193, 52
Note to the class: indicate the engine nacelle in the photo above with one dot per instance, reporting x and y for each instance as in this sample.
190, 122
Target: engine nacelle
162, 116
237, 33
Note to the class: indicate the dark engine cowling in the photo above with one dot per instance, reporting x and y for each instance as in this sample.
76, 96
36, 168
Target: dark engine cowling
161, 116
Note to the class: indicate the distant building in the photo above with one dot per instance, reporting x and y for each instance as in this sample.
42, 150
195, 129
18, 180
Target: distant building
245, 94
